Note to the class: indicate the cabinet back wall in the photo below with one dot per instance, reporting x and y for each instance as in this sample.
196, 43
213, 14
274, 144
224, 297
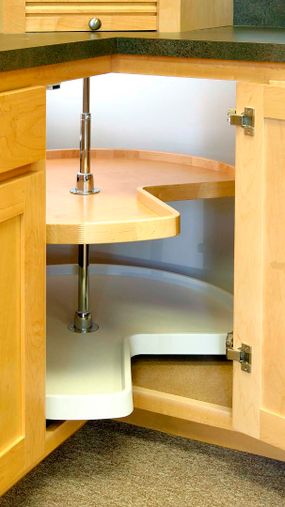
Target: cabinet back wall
167, 114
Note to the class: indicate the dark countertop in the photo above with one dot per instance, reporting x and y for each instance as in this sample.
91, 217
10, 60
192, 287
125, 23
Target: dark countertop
259, 13
224, 43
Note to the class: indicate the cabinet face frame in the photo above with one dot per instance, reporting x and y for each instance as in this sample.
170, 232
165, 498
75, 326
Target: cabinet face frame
259, 397
22, 285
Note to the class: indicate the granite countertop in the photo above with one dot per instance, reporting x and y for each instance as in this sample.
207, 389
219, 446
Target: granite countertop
19, 51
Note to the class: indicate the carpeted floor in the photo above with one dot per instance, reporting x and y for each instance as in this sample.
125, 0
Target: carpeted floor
109, 464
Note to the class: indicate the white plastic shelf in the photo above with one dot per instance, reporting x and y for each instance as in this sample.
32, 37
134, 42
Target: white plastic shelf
139, 311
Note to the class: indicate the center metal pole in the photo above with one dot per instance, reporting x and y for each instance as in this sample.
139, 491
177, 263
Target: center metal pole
84, 178
83, 285
83, 322
84, 186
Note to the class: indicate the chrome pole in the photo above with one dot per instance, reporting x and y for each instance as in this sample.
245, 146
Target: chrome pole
84, 178
83, 322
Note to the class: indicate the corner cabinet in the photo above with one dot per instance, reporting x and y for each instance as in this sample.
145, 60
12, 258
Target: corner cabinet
256, 419
22, 282
113, 15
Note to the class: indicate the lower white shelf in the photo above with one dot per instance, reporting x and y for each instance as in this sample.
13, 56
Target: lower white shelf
139, 311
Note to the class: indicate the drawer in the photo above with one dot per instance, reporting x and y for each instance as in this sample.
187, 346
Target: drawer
22, 127
74, 15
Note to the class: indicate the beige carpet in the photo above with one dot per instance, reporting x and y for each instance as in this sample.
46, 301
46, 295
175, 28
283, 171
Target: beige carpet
108, 464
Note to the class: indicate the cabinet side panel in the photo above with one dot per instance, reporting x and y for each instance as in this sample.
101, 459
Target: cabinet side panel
12, 16
184, 15
197, 14
11, 346
169, 15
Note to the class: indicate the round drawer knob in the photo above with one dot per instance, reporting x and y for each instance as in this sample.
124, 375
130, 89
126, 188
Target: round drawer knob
94, 24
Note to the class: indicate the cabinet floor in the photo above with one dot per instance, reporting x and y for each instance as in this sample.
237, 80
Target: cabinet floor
110, 464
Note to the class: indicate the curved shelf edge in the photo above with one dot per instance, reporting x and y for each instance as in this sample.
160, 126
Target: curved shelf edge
135, 185
89, 376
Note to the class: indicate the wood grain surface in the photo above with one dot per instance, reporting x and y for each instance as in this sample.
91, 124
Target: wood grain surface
133, 185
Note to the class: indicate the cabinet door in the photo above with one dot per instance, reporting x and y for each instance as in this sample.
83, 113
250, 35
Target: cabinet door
259, 396
74, 15
22, 287
22, 354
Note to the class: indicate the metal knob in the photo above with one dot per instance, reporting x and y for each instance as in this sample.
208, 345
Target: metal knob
94, 24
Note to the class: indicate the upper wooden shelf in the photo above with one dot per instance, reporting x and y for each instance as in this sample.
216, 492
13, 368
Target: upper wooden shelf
134, 187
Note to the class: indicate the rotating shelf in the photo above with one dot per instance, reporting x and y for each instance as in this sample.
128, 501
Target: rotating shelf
139, 311
135, 186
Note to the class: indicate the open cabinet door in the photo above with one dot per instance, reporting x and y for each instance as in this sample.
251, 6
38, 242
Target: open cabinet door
259, 313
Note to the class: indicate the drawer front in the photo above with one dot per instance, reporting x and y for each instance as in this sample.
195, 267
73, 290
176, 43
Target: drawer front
74, 15
22, 127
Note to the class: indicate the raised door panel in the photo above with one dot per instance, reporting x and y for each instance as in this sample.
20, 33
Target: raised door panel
11, 399
74, 15
22, 325
259, 396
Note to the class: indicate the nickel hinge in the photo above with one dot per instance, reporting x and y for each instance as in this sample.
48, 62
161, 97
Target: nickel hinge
243, 354
246, 120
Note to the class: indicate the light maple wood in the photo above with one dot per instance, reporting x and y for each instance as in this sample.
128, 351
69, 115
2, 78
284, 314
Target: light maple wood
77, 7
137, 64
126, 209
273, 353
12, 16
55, 435
10, 318
22, 127
49, 74
22, 284
203, 432
22, 324
42, 16
248, 294
259, 399
73, 15
184, 388
255, 72
274, 101
208, 379
79, 22
270, 417
272, 427
182, 408
58, 432
183, 15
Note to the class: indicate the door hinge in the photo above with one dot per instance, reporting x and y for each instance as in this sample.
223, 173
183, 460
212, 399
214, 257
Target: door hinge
246, 120
243, 354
